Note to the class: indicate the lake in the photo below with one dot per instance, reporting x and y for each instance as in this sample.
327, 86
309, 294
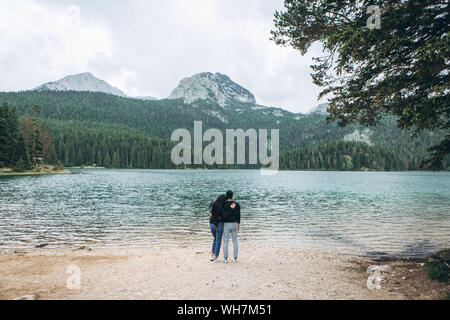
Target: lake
369, 213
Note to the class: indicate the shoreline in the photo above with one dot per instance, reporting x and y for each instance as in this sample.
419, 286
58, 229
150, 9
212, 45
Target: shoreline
86, 167
45, 248
46, 170
67, 170
262, 272
31, 173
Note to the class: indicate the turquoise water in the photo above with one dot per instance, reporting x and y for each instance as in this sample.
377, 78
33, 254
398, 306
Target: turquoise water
401, 213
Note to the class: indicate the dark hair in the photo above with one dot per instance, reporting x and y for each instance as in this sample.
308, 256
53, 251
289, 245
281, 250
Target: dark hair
229, 194
219, 201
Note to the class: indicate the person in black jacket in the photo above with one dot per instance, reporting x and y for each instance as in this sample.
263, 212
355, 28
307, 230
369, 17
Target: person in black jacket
216, 225
231, 217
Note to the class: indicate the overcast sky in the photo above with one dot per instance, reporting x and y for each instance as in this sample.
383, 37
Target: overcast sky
145, 48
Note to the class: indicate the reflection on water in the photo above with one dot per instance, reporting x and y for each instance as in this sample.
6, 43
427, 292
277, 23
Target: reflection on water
353, 212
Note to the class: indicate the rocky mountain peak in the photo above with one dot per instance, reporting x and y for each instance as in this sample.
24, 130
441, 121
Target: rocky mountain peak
208, 86
85, 81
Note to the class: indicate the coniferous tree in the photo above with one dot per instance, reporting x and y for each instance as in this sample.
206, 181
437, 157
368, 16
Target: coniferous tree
140, 130
20, 142
116, 161
36, 143
107, 161
26, 129
15, 151
4, 135
24, 158
48, 148
12, 148
398, 68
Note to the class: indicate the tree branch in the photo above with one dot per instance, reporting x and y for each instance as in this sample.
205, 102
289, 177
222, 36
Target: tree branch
340, 15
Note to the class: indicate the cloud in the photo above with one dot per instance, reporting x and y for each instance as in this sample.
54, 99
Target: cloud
147, 47
40, 42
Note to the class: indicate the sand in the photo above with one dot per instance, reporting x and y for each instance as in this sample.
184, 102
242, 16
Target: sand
262, 272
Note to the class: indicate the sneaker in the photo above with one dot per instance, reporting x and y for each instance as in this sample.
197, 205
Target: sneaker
234, 260
216, 259
225, 260
212, 258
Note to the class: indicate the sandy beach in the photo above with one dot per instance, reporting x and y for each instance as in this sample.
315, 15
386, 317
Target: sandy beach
262, 272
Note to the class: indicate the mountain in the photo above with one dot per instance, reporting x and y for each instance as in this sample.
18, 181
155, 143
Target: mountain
319, 109
96, 127
80, 82
216, 87
103, 120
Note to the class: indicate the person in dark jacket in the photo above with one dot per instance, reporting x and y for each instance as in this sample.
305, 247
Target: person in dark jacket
216, 225
231, 217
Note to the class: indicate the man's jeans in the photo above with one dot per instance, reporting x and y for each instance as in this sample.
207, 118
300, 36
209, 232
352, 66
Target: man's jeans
230, 228
217, 232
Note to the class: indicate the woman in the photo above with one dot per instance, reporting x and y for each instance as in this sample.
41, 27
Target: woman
216, 225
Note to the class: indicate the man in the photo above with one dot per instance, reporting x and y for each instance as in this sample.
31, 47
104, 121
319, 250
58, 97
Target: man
231, 217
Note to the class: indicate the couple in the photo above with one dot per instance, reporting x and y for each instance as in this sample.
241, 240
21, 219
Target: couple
224, 219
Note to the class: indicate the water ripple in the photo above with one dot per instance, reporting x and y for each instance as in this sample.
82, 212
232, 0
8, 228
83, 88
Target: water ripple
404, 213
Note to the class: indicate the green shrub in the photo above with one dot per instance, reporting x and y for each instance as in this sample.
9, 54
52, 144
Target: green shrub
21, 165
58, 166
438, 265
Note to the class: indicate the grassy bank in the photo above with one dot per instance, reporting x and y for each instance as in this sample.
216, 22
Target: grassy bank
44, 169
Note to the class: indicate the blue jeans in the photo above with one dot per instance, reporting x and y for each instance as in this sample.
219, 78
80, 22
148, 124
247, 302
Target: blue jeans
230, 228
217, 232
